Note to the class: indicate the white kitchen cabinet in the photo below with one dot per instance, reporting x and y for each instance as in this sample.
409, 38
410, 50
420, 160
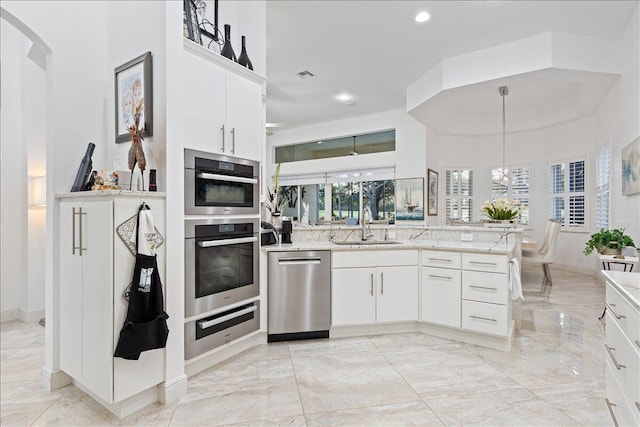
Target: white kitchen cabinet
223, 111
622, 345
366, 291
353, 299
95, 269
441, 296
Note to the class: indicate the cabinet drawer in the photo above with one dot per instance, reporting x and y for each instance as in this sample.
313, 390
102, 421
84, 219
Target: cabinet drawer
626, 316
624, 359
486, 318
485, 287
484, 262
624, 412
374, 258
440, 259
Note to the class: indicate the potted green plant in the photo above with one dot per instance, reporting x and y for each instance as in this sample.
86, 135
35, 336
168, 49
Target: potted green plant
608, 242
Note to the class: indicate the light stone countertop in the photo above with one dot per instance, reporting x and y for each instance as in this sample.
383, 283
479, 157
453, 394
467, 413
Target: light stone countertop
627, 283
484, 247
107, 193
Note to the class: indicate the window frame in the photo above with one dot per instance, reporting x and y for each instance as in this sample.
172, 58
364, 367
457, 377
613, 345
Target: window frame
449, 194
603, 189
566, 194
510, 195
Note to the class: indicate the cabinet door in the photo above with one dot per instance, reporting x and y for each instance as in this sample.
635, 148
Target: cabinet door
245, 117
397, 294
441, 296
97, 297
204, 105
353, 296
70, 291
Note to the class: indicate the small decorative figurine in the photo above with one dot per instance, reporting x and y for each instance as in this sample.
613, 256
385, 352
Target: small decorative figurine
136, 154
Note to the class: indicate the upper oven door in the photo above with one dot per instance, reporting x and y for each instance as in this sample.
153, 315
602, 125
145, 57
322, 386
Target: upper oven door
220, 185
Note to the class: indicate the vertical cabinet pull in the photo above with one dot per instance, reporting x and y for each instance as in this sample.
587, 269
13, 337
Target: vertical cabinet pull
233, 140
371, 284
613, 416
613, 358
222, 129
381, 283
73, 231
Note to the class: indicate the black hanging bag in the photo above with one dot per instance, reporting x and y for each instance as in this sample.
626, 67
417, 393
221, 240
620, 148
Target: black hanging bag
145, 327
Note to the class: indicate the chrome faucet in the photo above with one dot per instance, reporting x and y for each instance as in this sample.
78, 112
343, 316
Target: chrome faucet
363, 221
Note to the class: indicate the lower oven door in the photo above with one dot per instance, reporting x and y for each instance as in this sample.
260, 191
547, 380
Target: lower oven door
205, 334
220, 272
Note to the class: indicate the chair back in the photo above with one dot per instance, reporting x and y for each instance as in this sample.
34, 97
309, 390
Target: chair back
550, 239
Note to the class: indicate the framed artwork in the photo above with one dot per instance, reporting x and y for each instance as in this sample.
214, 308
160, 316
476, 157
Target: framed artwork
190, 22
134, 86
432, 192
410, 199
631, 168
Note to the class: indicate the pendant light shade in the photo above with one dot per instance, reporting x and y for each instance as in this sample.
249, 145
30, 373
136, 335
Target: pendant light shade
354, 152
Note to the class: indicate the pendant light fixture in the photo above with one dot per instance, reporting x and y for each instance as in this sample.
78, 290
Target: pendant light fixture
504, 91
354, 152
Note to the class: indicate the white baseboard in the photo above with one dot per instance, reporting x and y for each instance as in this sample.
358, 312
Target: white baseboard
9, 315
54, 380
373, 329
127, 406
24, 316
31, 316
170, 392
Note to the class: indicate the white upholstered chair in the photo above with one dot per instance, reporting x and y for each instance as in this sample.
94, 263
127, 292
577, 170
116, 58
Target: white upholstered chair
544, 255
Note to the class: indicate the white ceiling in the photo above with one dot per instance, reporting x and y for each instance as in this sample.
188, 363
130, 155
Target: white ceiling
375, 50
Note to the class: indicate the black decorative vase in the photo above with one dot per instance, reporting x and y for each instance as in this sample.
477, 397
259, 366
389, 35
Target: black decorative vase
227, 50
243, 59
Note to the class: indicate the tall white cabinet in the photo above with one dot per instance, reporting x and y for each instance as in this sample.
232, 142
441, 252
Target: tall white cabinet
95, 269
223, 107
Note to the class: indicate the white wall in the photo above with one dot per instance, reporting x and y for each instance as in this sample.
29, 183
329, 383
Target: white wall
409, 157
134, 28
13, 180
619, 120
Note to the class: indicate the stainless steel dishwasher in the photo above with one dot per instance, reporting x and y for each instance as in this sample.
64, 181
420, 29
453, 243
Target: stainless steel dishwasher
299, 295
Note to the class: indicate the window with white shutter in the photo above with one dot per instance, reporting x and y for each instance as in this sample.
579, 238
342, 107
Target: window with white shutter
459, 194
513, 184
567, 189
603, 183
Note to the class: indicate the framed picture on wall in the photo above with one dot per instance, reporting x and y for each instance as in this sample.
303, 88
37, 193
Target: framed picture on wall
410, 199
190, 22
133, 87
432, 192
631, 168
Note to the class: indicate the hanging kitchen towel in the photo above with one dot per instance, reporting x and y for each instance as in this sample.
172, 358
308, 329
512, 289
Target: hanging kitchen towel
514, 279
145, 327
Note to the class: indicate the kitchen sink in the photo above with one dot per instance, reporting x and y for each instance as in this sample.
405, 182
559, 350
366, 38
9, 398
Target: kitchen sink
365, 242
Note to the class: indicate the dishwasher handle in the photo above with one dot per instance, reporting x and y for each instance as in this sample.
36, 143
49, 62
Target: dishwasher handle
299, 261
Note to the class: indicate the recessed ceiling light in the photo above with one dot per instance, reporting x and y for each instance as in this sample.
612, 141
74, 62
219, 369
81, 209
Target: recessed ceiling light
344, 97
319, 142
422, 17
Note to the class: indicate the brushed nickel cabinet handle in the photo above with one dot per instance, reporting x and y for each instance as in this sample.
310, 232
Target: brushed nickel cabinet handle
371, 284
637, 343
483, 287
613, 416
73, 231
222, 129
637, 406
613, 358
473, 316
80, 240
233, 140
435, 276
618, 316
483, 263
381, 283
440, 259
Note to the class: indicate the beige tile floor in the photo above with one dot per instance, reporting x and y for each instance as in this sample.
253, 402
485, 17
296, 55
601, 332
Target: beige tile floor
553, 376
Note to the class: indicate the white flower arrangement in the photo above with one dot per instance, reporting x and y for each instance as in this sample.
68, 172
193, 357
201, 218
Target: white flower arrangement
501, 209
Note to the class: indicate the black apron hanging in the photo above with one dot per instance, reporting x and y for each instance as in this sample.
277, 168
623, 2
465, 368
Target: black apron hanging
145, 327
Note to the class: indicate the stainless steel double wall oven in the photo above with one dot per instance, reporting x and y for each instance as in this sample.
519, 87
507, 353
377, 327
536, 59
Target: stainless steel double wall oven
222, 250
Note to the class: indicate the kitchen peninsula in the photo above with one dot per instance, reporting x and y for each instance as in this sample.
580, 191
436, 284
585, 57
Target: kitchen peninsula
419, 279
